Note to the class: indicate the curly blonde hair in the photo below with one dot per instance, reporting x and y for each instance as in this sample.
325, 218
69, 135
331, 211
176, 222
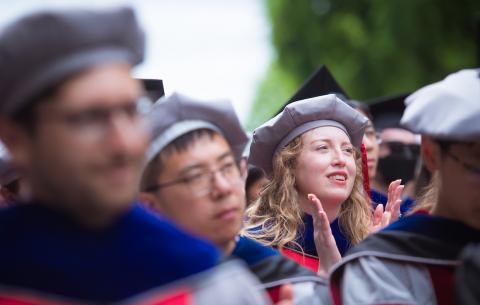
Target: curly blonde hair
275, 218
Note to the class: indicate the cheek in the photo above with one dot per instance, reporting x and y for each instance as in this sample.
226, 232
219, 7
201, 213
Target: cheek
462, 187
383, 151
374, 152
351, 168
308, 173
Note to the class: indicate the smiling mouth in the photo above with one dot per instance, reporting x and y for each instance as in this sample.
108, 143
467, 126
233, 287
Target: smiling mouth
229, 214
338, 178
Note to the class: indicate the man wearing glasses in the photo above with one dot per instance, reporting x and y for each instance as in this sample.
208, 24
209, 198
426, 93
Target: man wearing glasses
194, 176
69, 115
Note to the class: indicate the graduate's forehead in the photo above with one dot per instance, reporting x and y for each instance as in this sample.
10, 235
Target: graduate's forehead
325, 134
201, 147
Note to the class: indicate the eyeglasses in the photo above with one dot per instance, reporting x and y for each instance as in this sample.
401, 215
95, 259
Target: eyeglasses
469, 167
399, 148
201, 184
95, 123
372, 135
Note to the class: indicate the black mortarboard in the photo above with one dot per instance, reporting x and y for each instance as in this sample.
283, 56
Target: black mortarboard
387, 111
319, 83
153, 87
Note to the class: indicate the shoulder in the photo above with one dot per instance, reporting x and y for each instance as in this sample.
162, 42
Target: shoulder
20, 217
252, 251
376, 280
162, 235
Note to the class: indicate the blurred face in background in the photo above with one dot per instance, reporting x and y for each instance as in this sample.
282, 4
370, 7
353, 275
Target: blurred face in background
459, 194
370, 141
85, 152
398, 155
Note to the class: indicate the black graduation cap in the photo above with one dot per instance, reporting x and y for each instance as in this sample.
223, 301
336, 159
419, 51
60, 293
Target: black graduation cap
154, 88
388, 110
321, 82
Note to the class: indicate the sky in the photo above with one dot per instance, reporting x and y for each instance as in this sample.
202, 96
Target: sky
208, 49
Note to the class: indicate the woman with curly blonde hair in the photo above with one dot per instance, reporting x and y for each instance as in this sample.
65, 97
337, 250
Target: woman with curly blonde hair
311, 152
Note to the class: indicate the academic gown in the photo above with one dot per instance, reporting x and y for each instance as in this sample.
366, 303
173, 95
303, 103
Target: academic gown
378, 197
274, 270
309, 257
412, 261
45, 251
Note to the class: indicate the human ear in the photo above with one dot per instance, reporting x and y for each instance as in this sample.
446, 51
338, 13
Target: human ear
17, 140
150, 201
243, 167
430, 153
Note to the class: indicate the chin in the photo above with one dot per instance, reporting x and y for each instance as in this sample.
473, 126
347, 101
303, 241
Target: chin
335, 199
119, 202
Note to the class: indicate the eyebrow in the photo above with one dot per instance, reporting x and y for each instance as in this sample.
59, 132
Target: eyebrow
202, 165
329, 141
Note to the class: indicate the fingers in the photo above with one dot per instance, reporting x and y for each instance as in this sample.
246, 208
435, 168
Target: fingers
394, 202
386, 219
399, 192
326, 231
320, 217
391, 193
318, 205
377, 215
286, 295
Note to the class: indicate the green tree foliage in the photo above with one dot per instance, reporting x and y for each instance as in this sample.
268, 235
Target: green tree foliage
373, 47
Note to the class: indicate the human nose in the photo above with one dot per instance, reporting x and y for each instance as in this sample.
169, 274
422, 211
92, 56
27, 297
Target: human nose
219, 183
368, 143
126, 132
338, 158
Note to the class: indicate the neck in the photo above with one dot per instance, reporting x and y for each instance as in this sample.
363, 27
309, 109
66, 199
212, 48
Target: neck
90, 217
379, 186
443, 209
228, 247
331, 209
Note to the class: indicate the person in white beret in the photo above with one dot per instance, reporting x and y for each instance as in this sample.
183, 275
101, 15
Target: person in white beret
311, 153
70, 118
413, 261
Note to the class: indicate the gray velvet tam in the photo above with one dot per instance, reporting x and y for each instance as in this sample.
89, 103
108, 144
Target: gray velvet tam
449, 109
300, 117
176, 115
40, 50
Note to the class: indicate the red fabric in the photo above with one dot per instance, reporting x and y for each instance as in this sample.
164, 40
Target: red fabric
366, 179
274, 293
335, 291
443, 283
422, 212
176, 297
311, 263
24, 299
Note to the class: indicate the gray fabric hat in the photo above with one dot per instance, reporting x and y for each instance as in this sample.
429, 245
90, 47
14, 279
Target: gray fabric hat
300, 117
44, 48
176, 115
449, 109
